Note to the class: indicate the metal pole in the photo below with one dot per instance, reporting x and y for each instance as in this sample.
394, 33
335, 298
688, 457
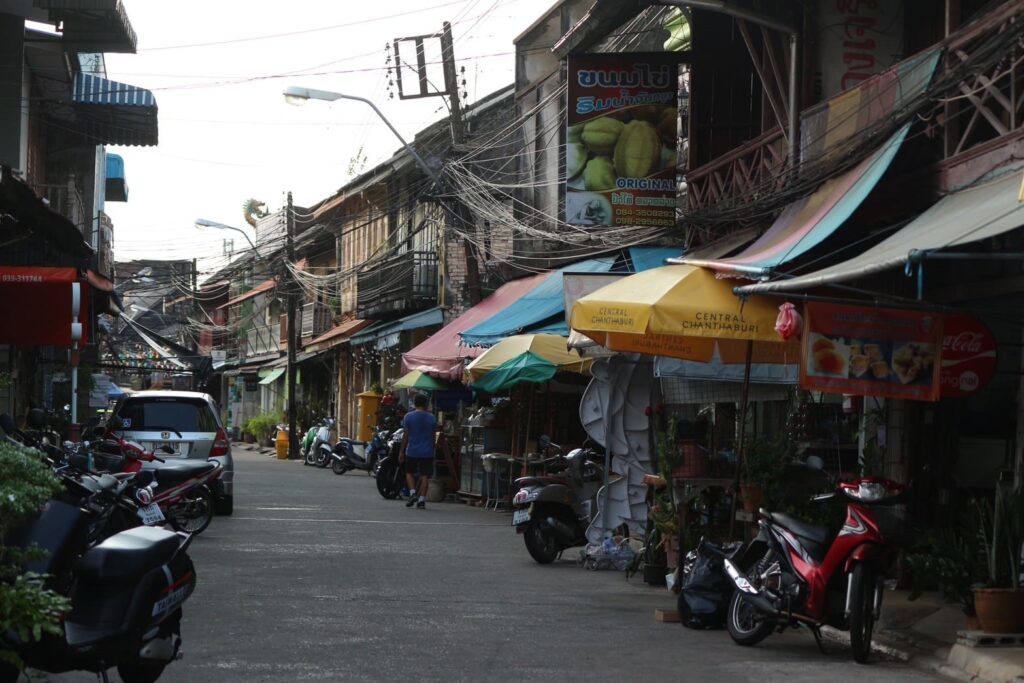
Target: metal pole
293, 336
741, 441
794, 115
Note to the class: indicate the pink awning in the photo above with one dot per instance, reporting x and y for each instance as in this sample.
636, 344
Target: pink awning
441, 355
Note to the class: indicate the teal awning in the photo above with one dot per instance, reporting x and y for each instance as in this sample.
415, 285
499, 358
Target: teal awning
645, 258
116, 185
538, 307
114, 113
272, 376
526, 367
386, 334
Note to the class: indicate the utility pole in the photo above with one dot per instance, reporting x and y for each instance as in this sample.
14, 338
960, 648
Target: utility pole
195, 312
293, 331
459, 210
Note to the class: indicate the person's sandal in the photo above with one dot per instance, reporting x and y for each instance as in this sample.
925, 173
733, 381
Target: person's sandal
422, 505
412, 501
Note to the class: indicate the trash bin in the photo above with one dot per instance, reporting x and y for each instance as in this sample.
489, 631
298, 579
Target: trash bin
282, 444
369, 404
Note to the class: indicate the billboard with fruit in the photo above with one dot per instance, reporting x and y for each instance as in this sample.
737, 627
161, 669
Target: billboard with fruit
620, 153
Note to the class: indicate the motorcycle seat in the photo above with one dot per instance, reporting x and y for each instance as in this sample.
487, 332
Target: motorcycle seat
128, 555
182, 471
817, 537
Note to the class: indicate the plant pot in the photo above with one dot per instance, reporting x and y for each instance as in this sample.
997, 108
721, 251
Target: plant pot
693, 461
752, 496
247, 437
654, 574
972, 622
1000, 610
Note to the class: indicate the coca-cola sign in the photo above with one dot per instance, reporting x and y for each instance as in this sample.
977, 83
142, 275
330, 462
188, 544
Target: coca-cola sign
968, 355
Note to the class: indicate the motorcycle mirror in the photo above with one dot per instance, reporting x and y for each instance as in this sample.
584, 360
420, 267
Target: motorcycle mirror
36, 418
67, 409
544, 441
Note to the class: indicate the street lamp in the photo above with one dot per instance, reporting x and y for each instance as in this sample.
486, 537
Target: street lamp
204, 223
299, 96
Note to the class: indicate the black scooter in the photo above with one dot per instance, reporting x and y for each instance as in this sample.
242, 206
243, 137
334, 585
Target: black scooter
389, 473
553, 512
126, 593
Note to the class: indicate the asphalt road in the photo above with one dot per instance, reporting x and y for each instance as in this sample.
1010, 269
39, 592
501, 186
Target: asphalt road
316, 577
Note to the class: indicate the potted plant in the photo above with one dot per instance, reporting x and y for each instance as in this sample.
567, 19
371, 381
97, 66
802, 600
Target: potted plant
999, 603
763, 460
949, 560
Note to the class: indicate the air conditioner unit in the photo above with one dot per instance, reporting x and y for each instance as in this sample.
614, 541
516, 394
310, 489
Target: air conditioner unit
316, 319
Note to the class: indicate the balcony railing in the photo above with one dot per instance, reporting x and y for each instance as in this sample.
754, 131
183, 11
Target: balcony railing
397, 284
66, 200
737, 173
262, 340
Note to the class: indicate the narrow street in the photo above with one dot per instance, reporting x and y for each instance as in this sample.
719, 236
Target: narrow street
316, 577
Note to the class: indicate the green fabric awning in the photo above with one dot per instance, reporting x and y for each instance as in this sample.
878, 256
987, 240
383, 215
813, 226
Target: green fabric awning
416, 379
272, 375
526, 367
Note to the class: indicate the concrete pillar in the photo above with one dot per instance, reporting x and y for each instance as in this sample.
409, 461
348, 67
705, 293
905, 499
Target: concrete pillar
12, 52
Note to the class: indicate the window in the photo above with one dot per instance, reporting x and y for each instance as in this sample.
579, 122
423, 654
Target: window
160, 414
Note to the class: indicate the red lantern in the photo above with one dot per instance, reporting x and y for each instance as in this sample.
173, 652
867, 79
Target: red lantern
788, 324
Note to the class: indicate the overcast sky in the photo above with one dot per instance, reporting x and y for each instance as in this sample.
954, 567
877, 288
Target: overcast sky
217, 70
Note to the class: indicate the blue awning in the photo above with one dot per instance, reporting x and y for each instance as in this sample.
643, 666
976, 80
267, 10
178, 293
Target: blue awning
386, 334
114, 113
645, 258
538, 308
117, 186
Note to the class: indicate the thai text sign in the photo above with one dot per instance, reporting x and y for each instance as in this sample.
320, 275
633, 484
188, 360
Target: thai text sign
620, 153
871, 351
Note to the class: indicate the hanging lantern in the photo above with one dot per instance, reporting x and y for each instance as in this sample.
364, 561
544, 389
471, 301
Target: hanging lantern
789, 323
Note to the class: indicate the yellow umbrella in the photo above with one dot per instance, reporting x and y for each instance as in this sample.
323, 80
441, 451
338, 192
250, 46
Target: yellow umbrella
681, 311
550, 347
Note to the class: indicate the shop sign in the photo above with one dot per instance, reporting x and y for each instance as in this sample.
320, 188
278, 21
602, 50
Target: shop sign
622, 128
968, 355
101, 385
871, 351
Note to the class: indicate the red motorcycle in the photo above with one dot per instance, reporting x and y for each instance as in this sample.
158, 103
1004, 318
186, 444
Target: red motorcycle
798, 573
179, 491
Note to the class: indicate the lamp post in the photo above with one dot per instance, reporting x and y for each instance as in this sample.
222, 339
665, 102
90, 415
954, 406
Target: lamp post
204, 223
299, 96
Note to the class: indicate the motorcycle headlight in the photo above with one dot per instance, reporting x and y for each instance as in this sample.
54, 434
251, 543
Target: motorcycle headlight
144, 496
870, 491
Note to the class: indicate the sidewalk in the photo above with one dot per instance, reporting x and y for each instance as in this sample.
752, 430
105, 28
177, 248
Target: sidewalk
924, 633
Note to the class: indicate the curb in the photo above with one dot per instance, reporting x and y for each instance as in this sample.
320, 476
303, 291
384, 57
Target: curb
931, 661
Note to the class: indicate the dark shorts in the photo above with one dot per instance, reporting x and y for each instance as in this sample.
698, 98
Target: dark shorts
421, 466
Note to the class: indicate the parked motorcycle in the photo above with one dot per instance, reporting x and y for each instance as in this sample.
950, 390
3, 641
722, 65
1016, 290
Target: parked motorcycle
126, 588
126, 596
798, 573
349, 454
389, 473
183, 489
316, 445
553, 512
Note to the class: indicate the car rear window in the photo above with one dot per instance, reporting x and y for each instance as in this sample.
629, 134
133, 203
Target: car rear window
184, 415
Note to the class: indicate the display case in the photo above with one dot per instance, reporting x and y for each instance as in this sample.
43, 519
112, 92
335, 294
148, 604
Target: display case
482, 432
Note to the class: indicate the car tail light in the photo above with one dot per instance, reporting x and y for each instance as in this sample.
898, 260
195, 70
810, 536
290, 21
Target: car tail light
221, 444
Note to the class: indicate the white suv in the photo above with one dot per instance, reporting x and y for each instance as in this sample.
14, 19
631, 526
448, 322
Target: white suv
186, 421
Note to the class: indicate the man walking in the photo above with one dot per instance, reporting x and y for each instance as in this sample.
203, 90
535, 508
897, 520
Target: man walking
418, 450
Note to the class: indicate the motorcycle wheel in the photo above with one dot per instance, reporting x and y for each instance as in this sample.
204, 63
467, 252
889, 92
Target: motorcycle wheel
338, 466
745, 624
386, 486
309, 459
862, 611
193, 513
140, 672
540, 545
321, 459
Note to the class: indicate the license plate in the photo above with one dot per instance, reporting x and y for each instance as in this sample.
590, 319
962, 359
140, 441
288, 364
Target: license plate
151, 514
521, 516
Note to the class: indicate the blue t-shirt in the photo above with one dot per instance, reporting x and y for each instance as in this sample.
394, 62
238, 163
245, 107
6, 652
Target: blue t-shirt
419, 425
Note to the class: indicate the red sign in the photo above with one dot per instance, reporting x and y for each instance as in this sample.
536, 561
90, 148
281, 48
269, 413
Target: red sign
622, 129
968, 355
36, 306
871, 351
